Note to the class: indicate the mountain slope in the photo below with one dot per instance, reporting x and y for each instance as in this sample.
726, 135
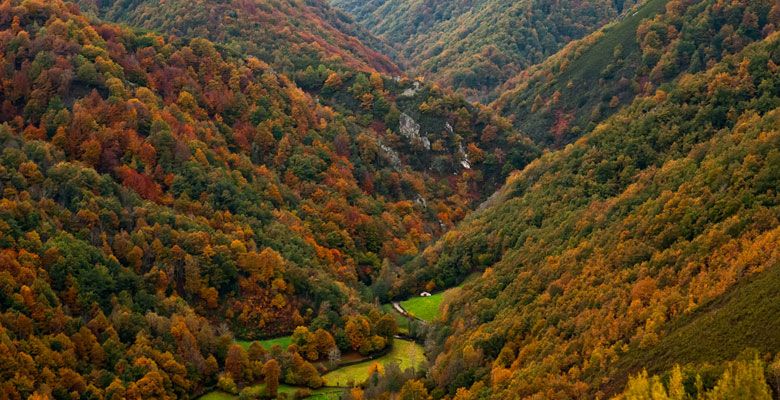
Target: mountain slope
744, 316
467, 148
289, 35
165, 196
568, 94
476, 45
590, 251
160, 197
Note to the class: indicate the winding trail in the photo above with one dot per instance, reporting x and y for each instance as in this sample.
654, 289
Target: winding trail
400, 309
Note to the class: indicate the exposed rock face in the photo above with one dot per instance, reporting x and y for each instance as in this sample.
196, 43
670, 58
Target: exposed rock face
410, 92
421, 201
411, 130
408, 127
390, 155
464, 158
449, 129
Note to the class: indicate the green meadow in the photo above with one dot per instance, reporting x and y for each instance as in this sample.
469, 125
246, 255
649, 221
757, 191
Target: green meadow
318, 394
405, 353
424, 308
283, 342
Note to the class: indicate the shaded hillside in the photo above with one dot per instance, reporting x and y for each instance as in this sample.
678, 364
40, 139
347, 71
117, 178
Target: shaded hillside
289, 34
743, 317
567, 95
474, 46
592, 250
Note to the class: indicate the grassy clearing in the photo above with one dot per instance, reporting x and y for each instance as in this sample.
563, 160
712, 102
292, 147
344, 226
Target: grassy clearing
217, 395
283, 342
318, 394
326, 394
424, 308
405, 353
429, 308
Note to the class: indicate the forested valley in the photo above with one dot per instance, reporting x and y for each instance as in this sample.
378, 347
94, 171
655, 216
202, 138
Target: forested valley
389, 199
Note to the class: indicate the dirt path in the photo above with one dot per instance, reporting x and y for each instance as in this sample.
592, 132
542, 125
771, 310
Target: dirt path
400, 309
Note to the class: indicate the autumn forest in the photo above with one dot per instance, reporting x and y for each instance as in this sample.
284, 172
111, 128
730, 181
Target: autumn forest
389, 199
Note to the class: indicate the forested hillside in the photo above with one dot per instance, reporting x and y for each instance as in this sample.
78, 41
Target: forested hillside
163, 196
568, 94
289, 35
476, 45
240, 199
425, 126
593, 253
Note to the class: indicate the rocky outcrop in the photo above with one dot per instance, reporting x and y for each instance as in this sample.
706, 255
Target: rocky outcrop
390, 155
410, 92
411, 130
464, 158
